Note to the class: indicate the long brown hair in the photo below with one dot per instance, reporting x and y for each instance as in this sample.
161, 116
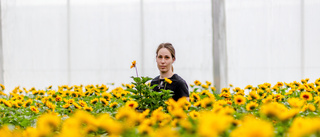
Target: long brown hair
170, 48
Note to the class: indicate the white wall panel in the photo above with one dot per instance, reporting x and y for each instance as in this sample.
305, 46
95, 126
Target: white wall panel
34, 43
267, 40
263, 41
105, 39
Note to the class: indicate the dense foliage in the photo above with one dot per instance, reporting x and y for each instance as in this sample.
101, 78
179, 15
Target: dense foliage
284, 109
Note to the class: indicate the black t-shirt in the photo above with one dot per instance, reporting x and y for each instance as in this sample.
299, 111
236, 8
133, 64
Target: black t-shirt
178, 86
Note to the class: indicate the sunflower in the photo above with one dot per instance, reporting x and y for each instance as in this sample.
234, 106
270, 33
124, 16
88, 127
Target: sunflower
194, 97
1, 93
239, 100
194, 114
204, 92
278, 97
253, 127
208, 83
145, 130
225, 90
132, 104
47, 123
103, 88
42, 92
197, 104
88, 108
117, 95
133, 64
197, 83
237, 89
303, 81
77, 105
309, 107
104, 101
7, 103
35, 92
186, 124
273, 109
251, 106
74, 94
34, 109
248, 87
303, 88
263, 87
178, 114
49, 87
212, 124
279, 84
306, 96
241, 93
2, 87
295, 102
94, 101
213, 89
15, 104
58, 98
253, 94
205, 86
70, 101
107, 96
260, 92
168, 80
27, 103
130, 86
83, 103
317, 89
113, 105
50, 105
66, 106
225, 94
206, 102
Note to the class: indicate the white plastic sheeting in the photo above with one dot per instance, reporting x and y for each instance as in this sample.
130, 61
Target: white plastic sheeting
34, 35
271, 41
56, 42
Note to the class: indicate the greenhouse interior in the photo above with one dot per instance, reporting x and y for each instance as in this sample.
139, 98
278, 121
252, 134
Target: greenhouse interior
243, 63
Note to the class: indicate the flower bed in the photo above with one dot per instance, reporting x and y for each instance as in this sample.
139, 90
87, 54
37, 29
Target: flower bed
284, 109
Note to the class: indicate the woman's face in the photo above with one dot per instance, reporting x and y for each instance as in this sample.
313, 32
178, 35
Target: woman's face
164, 60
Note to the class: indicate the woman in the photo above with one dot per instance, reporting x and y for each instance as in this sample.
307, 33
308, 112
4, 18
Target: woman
165, 56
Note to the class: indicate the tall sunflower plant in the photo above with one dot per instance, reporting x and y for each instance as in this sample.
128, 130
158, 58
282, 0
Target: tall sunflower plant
144, 94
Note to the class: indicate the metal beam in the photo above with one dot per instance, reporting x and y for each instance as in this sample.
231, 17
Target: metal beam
220, 72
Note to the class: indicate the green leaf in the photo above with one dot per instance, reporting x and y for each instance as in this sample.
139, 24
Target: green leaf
132, 91
137, 79
25, 123
145, 79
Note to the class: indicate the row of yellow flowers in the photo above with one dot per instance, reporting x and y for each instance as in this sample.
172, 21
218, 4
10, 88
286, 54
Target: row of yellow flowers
285, 109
